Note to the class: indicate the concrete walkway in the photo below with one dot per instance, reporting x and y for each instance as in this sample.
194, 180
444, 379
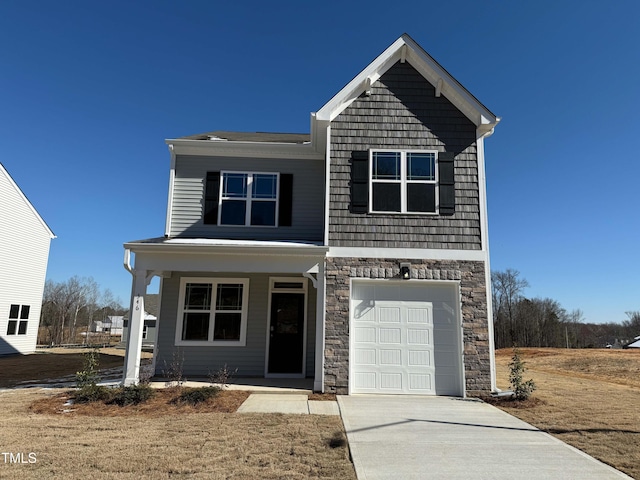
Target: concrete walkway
412, 437
287, 403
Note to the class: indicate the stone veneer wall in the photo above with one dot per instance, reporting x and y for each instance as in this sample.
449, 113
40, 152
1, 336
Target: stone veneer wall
470, 274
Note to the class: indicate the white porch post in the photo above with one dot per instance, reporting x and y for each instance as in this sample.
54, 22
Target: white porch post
318, 381
136, 325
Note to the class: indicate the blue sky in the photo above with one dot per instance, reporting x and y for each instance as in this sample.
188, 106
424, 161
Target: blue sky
90, 90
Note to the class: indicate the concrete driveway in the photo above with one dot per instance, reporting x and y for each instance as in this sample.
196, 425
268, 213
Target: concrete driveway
412, 437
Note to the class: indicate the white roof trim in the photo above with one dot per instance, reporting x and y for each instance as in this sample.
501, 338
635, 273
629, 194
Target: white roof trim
26, 200
301, 151
405, 47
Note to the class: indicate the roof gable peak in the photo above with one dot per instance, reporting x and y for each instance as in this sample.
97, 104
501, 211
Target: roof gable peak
405, 49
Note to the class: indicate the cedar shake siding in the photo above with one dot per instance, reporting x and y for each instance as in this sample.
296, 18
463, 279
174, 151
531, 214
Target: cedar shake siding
403, 112
306, 215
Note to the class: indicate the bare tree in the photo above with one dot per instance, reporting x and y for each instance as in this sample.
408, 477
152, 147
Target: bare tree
507, 289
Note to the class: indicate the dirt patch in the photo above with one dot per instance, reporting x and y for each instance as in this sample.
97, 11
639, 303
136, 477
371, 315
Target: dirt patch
324, 397
162, 403
587, 398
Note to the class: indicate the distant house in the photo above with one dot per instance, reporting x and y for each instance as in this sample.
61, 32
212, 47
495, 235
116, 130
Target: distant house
149, 331
112, 325
24, 252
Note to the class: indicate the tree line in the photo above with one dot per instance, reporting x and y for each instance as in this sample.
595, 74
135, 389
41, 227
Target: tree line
543, 322
69, 307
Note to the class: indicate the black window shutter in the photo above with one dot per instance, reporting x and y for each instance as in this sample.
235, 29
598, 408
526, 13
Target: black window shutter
360, 181
286, 200
211, 192
446, 183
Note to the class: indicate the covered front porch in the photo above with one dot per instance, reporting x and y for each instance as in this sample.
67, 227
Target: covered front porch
254, 306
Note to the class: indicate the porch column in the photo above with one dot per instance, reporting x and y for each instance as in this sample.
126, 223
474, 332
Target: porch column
136, 325
318, 381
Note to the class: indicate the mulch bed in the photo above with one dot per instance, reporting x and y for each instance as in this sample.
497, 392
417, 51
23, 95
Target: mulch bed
162, 403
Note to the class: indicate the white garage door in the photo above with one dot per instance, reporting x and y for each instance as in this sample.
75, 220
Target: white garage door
405, 338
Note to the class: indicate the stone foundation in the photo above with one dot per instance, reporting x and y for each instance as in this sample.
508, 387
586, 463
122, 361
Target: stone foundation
470, 274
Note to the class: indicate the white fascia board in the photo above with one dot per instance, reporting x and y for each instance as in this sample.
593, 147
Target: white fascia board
257, 249
431, 70
27, 202
408, 253
215, 148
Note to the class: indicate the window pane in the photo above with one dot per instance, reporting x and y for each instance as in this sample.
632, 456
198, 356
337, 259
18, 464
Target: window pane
234, 185
11, 328
421, 197
195, 326
421, 166
263, 213
264, 186
229, 296
233, 212
22, 328
13, 311
24, 313
386, 197
386, 165
227, 326
197, 296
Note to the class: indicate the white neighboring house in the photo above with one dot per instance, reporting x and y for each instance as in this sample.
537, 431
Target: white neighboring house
24, 252
112, 325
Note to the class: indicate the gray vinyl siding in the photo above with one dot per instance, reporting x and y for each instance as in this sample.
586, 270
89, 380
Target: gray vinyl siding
250, 359
188, 198
403, 112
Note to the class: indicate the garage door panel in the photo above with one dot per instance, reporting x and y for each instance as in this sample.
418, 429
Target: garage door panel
390, 335
391, 357
401, 343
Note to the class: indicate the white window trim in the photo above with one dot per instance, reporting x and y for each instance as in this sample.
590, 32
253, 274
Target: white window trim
403, 181
249, 198
211, 342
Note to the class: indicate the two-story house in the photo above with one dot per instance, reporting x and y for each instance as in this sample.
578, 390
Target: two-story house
356, 255
24, 252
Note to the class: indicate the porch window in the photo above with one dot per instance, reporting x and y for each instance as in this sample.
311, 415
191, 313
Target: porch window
213, 311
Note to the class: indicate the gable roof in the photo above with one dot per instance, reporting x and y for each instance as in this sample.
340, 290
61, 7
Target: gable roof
24, 198
405, 49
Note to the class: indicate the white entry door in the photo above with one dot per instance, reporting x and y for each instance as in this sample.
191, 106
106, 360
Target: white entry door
393, 340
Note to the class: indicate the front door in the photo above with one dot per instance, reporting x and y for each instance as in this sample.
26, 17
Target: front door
286, 333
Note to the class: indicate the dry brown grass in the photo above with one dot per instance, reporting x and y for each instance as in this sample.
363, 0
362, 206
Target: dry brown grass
180, 443
587, 398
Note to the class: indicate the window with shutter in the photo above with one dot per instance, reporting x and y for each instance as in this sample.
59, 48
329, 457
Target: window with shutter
257, 199
402, 182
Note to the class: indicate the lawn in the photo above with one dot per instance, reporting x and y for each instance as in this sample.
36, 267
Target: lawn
161, 440
587, 398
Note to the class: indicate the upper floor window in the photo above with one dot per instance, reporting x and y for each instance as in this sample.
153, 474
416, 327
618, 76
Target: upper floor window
411, 182
403, 182
248, 199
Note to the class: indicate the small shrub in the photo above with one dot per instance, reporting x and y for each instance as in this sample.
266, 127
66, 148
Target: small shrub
173, 369
89, 375
222, 376
194, 396
522, 390
131, 395
93, 393
337, 441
